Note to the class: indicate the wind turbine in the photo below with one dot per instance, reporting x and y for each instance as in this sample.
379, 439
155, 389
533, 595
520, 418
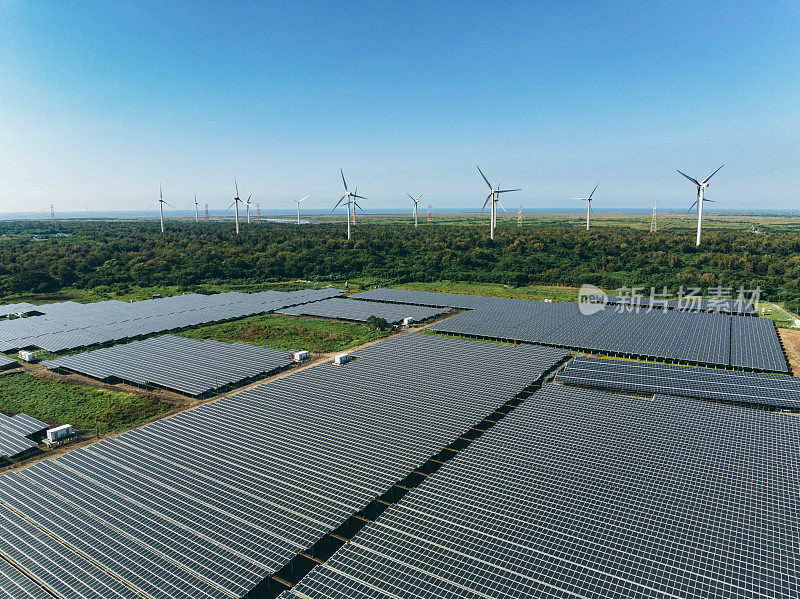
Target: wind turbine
588, 204
235, 205
416, 203
196, 207
351, 200
298, 207
701, 186
494, 196
161, 201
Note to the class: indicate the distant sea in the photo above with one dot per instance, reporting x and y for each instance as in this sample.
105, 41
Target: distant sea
270, 215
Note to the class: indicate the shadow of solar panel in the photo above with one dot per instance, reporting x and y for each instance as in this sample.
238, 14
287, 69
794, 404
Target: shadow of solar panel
580, 493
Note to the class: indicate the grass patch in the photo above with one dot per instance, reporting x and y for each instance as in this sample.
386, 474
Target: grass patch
81, 406
288, 332
778, 317
531, 292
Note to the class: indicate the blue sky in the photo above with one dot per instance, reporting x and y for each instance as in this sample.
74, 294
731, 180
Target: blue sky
99, 101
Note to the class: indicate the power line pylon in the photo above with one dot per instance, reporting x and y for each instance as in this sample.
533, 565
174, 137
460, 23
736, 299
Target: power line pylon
52, 214
206, 214
430, 216
258, 212
519, 216
653, 225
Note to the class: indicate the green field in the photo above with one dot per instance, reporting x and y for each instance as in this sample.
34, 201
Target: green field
81, 406
288, 332
531, 292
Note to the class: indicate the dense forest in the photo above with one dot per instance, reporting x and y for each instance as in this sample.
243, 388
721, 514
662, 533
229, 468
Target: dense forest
40, 257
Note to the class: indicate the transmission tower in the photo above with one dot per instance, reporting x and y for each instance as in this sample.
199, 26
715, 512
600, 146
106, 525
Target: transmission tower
430, 216
653, 225
519, 216
52, 214
206, 214
258, 212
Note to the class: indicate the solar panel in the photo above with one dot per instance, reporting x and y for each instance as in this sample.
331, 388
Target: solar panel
231, 491
347, 309
13, 444
189, 366
772, 390
580, 493
69, 325
689, 337
22, 424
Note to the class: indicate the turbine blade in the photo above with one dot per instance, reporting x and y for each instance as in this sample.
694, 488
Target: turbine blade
231, 206
237, 187
489, 197
412, 197
595, 189
355, 195
692, 206
170, 205
505, 190
160, 193
707, 200
343, 181
711, 175
484, 176
305, 198
503, 207
692, 179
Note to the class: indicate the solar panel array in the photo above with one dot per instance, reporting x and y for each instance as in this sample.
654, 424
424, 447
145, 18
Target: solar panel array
13, 309
210, 501
586, 494
721, 306
348, 309
190, 366
6, 362
692, 337
759, 389
69, 325
22, 424
14, 433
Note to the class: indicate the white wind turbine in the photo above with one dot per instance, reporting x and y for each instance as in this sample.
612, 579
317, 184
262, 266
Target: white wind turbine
494, 196
701, 186
161, 201
351, 202
235, 205
416, 204
588, 204
196, 207
298, 207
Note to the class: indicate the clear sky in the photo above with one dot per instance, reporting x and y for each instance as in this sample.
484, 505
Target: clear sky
99, 101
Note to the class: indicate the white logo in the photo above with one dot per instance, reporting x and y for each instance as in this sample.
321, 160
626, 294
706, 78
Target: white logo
591, 300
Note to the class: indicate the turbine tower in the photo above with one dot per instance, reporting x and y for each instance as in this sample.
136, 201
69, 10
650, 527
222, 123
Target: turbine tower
351, 201
588, 204
196, 210
494, 196
414, 207
298, 207
235, 205
701, 187
161, 201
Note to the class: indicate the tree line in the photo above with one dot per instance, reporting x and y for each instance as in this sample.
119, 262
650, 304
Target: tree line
41, 257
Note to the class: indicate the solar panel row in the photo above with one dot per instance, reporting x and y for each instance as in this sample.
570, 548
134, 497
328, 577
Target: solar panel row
209, 502
348, 309
6, 362
692, 337
721, 306
70, 325
760, 389
586, 494
22, 424
190, 366
18, 308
